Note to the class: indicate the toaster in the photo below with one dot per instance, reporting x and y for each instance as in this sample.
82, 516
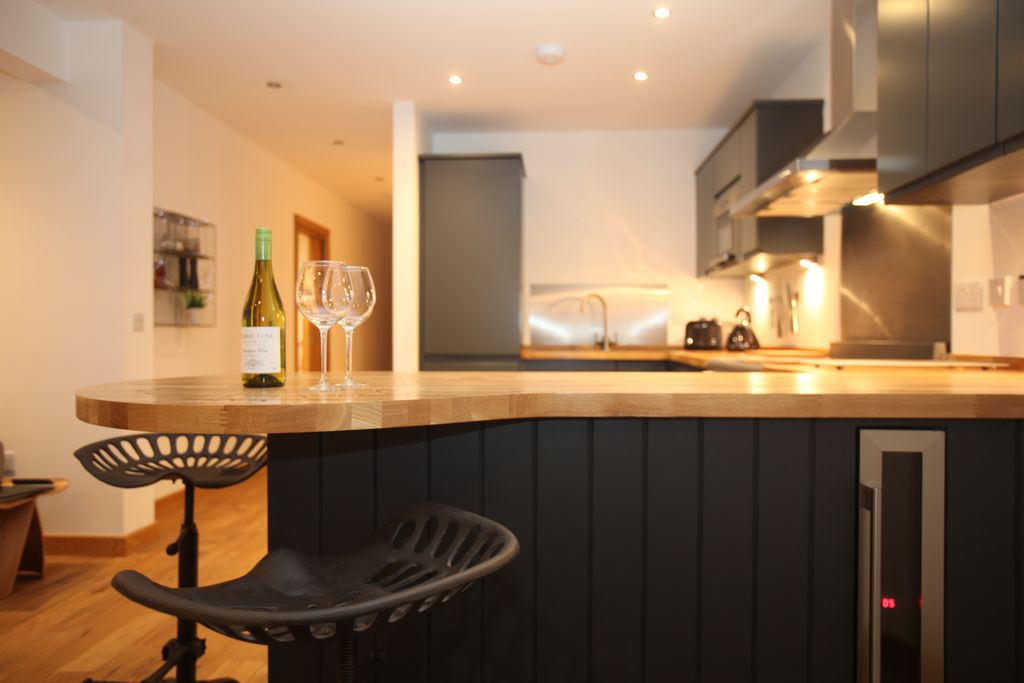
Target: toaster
703, 334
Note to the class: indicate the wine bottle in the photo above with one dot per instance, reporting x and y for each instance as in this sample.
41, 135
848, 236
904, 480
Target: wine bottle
263, 323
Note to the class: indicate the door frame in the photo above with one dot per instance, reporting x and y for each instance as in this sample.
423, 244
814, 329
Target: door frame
314, 231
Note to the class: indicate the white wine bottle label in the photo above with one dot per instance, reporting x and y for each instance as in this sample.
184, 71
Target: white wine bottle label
261, 350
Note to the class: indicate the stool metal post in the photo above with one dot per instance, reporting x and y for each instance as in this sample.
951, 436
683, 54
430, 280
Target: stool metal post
188, 577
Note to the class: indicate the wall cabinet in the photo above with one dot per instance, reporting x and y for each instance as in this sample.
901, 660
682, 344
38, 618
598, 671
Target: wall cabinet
768, 136
961, 79
950, 100
471, 227
902, 88
1010, 116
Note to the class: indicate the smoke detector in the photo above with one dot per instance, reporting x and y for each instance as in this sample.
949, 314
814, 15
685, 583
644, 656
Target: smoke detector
549, 54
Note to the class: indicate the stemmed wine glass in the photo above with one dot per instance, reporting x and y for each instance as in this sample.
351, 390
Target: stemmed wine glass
357, 306
321, 293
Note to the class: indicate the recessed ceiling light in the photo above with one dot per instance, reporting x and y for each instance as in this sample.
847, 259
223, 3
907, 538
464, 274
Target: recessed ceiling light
339, 143
549, 54
455, 79
662, 13
274, 85
640, 76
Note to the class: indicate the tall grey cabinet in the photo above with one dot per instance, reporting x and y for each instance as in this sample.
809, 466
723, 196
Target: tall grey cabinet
470, 246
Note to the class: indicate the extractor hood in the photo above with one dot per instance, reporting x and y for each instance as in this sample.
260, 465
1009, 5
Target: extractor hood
841, 166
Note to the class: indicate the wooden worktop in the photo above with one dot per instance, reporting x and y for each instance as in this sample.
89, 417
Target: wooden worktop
221, 405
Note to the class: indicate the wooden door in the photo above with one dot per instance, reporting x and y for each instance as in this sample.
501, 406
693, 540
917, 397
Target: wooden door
310, 245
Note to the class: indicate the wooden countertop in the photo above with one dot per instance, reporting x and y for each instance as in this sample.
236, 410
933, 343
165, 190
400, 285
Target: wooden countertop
221, 405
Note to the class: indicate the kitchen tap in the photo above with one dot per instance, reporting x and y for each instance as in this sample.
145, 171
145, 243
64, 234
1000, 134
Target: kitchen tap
605, 342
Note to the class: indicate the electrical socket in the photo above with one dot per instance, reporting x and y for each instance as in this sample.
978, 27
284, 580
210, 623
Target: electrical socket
1000, 291
968, 296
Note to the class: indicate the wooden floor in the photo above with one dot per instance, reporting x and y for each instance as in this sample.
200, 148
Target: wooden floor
72, 624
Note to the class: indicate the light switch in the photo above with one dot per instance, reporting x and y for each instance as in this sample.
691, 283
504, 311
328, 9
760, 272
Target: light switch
1000, 291
968, 296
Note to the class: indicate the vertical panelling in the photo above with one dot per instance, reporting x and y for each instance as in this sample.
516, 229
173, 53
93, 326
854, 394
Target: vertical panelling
1018, 431
783, 550
508, 610
981, 575
834, 553
563, 551
727, 562
348, 495
402, 481
673, 496
456, 479
293, 521
617, 551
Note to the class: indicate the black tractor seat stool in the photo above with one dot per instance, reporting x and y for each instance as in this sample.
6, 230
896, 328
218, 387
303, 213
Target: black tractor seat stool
207, 461
422, 558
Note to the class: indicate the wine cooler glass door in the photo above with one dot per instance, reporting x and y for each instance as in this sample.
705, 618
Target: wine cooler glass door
902, 512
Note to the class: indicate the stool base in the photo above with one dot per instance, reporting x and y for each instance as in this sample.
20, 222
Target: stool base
176, 654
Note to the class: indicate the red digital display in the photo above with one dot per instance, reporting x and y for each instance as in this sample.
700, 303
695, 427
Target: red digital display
888, 603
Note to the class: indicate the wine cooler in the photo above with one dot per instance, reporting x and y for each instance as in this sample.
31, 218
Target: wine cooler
901, 556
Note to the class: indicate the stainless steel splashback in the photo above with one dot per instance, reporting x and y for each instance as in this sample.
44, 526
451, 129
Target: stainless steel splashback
895, 278
637, 314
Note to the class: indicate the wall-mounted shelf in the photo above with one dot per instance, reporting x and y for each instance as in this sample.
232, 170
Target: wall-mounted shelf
184, 259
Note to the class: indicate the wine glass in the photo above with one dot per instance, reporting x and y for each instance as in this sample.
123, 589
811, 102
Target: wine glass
320, 296
359, 300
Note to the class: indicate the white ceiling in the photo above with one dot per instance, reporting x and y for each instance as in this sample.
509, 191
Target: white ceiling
342, 63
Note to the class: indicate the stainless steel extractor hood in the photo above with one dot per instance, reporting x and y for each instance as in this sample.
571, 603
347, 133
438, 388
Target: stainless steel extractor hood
841, 166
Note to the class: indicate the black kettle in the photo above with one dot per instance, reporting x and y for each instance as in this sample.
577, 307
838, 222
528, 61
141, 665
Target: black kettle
742, 337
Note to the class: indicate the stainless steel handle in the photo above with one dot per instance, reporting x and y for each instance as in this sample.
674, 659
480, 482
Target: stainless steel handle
873, 494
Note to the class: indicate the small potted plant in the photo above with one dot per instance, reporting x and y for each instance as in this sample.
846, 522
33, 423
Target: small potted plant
195, 302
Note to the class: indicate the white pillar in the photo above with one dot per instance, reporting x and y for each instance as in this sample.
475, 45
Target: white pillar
408, 142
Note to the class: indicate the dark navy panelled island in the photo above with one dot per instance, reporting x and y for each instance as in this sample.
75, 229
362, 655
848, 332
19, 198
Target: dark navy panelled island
673, 526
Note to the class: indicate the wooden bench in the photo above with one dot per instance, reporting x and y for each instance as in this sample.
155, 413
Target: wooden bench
21, 534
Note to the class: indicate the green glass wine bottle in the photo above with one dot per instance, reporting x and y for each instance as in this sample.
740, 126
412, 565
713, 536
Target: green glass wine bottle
263, 323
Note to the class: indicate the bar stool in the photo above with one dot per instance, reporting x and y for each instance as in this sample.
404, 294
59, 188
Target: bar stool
198, 460
422, 558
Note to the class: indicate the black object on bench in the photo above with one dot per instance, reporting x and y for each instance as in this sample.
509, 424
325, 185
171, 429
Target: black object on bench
16, 489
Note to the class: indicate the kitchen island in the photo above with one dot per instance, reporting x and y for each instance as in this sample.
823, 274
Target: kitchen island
674, 526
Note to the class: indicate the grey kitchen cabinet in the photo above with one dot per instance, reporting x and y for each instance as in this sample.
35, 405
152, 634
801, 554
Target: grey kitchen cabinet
727, 163
961, 79
950, 100
767, 137
1010, 116
902, 88
705, 216
470, 244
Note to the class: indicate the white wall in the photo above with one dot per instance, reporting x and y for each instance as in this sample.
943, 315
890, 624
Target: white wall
408, 141
75, 262
612, 207
204, 168
988, 241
